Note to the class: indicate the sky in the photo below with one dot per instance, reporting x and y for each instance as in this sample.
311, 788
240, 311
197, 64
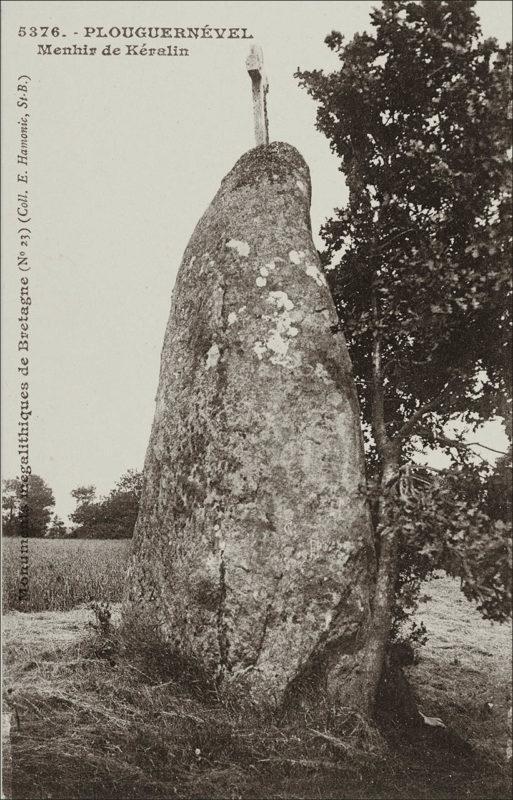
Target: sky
125, 154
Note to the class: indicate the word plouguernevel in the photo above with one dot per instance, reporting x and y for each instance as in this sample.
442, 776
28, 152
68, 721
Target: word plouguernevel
142, 32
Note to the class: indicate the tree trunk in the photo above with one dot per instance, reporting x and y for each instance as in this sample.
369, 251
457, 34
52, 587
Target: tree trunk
379, 630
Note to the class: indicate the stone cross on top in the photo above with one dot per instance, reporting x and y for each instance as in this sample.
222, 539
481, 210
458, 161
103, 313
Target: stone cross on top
260, 85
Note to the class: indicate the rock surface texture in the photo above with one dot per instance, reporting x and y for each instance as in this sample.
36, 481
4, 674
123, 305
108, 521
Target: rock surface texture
253, 551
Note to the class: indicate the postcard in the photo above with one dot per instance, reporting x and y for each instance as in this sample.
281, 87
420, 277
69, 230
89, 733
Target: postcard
256, 414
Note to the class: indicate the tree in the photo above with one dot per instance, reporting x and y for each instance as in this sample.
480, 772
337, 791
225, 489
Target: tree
85, 515
121, 507
418, 262
498, 489
26, 511
57, 529
111, 517
84, 495
130, 483
10, 507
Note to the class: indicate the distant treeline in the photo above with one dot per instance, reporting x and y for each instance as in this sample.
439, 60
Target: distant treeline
109, 517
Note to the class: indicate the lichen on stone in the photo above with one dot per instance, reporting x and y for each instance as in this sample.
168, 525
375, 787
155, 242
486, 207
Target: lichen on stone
295, 256
321, 373
259, 349
281, 299
213, 356
242, 248
316, 274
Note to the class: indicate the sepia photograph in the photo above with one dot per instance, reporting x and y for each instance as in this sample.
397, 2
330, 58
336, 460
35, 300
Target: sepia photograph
256, 399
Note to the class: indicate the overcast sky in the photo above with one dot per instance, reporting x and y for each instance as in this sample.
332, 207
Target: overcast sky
125, 155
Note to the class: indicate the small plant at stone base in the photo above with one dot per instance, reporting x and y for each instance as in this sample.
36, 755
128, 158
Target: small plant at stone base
103, 615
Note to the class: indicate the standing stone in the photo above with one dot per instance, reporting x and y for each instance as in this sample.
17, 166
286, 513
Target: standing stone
252, 553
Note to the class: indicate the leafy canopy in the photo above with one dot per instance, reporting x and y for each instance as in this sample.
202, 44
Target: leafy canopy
420, 116
418, 262
26, 511
111, 517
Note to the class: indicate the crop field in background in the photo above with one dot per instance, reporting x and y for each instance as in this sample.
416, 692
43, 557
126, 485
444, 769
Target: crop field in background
63, 574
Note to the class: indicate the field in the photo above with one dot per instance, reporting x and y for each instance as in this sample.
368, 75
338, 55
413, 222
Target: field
94, 716
63, 574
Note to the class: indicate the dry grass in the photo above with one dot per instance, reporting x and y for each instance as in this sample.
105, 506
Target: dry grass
89, 720
95, 716
465, 677
63, 574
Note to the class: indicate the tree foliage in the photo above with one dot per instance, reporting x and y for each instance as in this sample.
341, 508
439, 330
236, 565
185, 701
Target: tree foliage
26, 511
57, 529
445, 522
111, 517
419, 114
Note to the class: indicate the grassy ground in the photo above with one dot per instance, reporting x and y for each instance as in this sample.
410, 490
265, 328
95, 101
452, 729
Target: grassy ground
92, 717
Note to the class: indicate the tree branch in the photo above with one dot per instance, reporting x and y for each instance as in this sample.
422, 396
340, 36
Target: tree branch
430, 405
486, 447
393, 238
409, 425
456, 443
377, 398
